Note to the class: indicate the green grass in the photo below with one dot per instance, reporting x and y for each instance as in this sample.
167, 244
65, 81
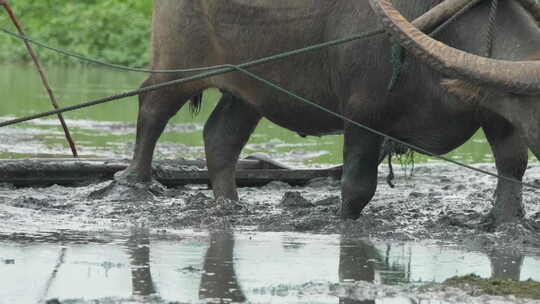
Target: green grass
523, 289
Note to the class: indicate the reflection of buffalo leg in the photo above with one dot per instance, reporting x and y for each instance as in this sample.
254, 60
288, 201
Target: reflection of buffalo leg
356, 264
505, 265
139, 251
219, 279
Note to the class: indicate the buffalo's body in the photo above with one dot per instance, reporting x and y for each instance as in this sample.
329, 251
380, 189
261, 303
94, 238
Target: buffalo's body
352, 79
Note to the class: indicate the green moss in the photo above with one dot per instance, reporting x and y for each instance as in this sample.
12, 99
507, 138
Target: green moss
522, 289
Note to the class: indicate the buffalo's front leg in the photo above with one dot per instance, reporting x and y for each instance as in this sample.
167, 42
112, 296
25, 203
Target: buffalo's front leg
225, 133
511, 157
360, 161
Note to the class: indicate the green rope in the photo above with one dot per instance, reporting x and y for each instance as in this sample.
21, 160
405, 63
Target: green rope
492, 26
397, 59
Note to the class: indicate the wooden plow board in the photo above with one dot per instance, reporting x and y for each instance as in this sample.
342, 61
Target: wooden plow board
249, 172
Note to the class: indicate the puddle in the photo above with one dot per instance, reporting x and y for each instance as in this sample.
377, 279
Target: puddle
193, 266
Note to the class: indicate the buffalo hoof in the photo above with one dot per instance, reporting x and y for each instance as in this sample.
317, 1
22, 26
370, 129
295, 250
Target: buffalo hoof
126, 189
491, 222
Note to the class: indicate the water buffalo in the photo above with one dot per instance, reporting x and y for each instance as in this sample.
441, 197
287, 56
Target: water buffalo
441, 99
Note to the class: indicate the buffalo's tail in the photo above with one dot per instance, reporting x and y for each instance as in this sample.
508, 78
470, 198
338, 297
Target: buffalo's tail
195, 104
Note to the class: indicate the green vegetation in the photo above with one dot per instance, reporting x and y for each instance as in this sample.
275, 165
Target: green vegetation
522, 289
110, 30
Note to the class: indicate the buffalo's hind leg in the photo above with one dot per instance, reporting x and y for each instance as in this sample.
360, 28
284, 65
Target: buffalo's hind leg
360, 162
225, 133
155, 110
511, 157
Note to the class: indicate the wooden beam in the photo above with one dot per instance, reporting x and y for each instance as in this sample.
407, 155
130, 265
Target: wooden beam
250, 172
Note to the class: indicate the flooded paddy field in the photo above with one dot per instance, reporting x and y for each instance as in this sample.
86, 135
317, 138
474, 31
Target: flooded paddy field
279, 244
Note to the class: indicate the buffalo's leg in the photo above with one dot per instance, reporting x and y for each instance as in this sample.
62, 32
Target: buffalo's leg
225, 133
511, 157
360, 161
155, 110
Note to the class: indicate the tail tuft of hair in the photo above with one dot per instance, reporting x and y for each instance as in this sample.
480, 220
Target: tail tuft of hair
195, 104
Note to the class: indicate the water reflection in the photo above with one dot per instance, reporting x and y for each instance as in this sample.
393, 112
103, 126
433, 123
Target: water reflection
219, 280
226, 266
218, 283
360, 260
357, 261
138, 246
506, 265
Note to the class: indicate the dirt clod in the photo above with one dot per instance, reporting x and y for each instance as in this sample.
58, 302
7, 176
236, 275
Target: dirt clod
293, 199
329, 201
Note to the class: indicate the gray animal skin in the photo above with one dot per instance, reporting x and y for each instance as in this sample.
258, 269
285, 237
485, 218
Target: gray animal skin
434, 109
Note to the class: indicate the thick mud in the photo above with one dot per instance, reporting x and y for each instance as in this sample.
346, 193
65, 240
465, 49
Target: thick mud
436, 202
439, 204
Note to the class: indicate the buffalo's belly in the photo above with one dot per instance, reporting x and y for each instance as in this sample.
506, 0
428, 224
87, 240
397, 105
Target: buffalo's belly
283, 109
438, 138
302, 119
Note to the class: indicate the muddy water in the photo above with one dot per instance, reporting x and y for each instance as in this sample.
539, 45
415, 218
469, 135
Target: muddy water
279, 244
239, 266
108, 130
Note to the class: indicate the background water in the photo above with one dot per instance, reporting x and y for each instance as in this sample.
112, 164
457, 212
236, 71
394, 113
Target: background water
108, 130
224, 267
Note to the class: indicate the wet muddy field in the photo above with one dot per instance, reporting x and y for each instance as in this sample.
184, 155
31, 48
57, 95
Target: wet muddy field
279, 244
